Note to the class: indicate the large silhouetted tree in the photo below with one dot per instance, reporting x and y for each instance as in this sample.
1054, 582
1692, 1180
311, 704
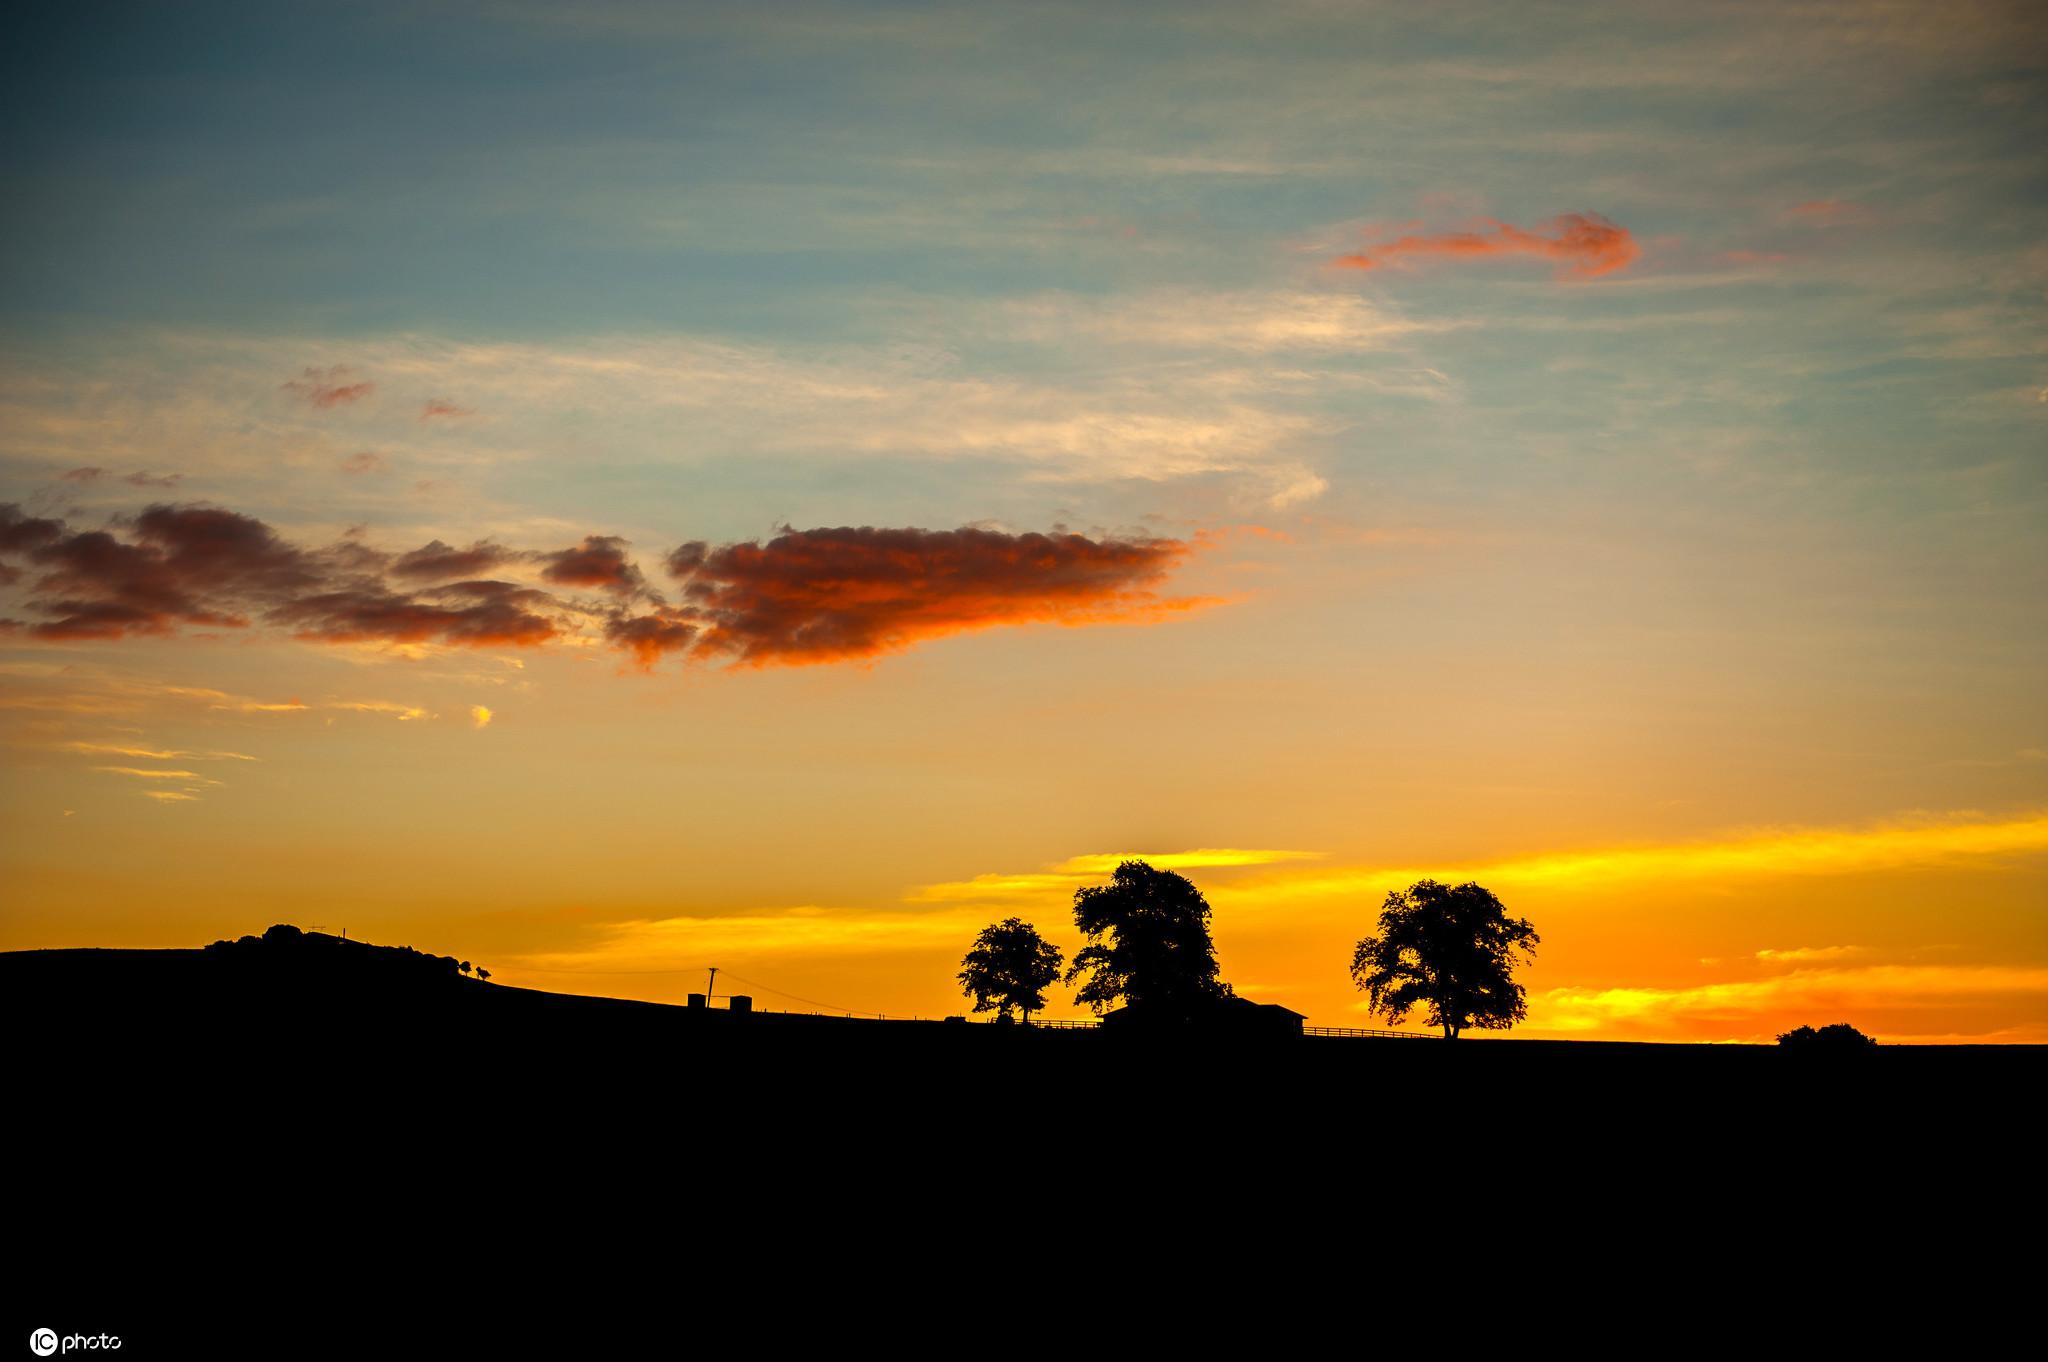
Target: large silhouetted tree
1148, 942
1010, 966
1450, 950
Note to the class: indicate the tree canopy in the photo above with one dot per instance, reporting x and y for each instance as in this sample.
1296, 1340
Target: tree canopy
1148, 942
1010, 967
1451, 950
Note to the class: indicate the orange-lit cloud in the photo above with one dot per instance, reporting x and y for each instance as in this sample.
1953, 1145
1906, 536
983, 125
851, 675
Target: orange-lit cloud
1786, 851
1746, 1009
440, 409
1585, 245
1060, 881
1799, 955
147, 774
154, 753
683, 942
830, 595
403, 713
324, 388
464, 614
436, 561
650, 637
806, 596
599, 563
1831, 213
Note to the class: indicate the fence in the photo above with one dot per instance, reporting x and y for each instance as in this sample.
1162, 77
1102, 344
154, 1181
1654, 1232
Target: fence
1363, 1031
1060, 1025
1306, 1030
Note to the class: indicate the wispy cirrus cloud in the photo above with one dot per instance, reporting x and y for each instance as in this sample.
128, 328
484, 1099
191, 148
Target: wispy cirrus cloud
1584, 245
1228, 398
328, 387
155, 753
84, 691
146, 773
1831, 213
1799, 955
1060, 880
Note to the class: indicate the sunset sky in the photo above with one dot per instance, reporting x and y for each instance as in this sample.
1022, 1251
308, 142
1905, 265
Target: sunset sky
607, 490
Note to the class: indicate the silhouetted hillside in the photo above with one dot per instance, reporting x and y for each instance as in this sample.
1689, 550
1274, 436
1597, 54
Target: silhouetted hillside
259, 1068
287, 994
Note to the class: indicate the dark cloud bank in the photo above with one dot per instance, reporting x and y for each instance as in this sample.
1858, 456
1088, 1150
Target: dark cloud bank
805, 596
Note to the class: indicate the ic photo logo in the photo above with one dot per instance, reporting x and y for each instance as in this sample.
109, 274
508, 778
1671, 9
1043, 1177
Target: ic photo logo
44, 1342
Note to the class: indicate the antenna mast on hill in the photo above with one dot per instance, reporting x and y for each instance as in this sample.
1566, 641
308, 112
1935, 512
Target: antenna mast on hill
710, 988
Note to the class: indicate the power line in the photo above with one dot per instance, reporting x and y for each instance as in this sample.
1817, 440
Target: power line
699, 969
542, 969
810, 1002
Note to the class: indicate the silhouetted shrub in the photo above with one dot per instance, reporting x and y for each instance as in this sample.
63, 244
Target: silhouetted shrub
1840, 1038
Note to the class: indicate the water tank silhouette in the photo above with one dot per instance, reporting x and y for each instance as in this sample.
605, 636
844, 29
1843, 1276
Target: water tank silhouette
739, 1002
696, 1000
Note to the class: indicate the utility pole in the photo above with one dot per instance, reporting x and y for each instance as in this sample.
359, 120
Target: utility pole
710, 988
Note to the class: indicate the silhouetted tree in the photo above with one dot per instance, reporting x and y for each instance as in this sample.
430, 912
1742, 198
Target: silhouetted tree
1148, 942
483, 974
1010, 966
1451, 949
1839, 1038
464, 967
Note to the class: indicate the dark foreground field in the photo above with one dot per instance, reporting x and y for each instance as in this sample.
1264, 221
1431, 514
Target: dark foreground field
340, 1116
260, 1024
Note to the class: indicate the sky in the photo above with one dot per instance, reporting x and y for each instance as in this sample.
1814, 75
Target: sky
609, 490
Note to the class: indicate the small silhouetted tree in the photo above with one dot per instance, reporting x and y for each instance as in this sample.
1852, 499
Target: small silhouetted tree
1841, 1038
464, 967
483, 974
1010, 966
1451, 950
1148, 942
